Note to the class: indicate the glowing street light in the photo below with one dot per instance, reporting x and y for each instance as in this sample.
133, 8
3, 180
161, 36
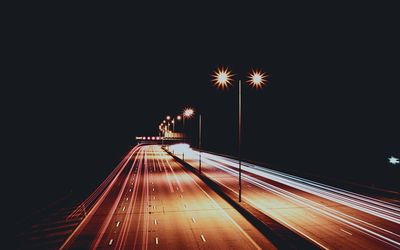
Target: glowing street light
168, 117
177, 118
222, 78
173, 125
186, 113
257, 79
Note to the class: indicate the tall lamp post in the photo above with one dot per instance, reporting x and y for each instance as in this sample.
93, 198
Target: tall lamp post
187, 113
178, 117
168, 121
222, 78
200, 143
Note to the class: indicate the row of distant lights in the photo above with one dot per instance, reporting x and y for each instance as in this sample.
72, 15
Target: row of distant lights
153, 138
222, 78
186, 113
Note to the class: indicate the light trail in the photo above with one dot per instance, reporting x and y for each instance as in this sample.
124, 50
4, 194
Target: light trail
164, 158
99, 190
257, 176
363, 203
127, 215
225, 214
108, 218
165, 171
101, 198
131, 206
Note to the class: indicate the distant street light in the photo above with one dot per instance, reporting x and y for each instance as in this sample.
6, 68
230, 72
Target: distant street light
187, 113
179, 118
222, 78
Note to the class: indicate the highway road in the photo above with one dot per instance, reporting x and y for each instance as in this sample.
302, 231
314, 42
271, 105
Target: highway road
150, 201
330, 217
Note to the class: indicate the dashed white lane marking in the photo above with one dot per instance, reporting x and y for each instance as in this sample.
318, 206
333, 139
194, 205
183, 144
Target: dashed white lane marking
155, 222
123, 209
154, 197
153, 189
346, 231
228, 217
203, 238
130, 190
156, 240
110, 242
194, 221
127, 198
118, 223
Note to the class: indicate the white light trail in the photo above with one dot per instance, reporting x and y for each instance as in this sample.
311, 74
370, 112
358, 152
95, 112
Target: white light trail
356, 223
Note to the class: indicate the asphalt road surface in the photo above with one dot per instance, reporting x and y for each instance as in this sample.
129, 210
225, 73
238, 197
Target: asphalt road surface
330, 217
150, 202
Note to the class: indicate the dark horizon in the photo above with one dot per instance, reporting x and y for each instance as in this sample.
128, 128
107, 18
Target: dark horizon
88, 83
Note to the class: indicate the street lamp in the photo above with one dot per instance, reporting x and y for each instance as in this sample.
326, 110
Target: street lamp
200, 143
187, 113
222, 78
178, 118
160, 127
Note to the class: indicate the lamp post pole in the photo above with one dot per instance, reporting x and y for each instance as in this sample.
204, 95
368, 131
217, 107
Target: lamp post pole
240, 140
200, 143
222, 79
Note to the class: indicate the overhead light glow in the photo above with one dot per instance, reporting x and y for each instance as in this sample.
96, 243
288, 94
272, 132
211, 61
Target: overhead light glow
222, 78
257, 78
188, 112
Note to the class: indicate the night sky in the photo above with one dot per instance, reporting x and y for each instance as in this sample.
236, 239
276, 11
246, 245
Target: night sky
88, 79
